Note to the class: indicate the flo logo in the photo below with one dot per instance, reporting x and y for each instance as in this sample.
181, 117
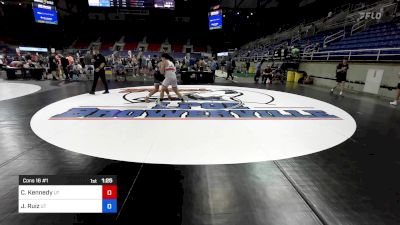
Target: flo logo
200, 103
370, 16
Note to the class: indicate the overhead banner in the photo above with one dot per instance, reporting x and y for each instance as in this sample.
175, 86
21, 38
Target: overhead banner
32, 49
223, 54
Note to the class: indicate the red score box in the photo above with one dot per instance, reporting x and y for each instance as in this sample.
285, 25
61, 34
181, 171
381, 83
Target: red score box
109, 191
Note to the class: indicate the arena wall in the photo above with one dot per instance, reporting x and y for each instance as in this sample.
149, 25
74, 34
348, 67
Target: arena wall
357, 72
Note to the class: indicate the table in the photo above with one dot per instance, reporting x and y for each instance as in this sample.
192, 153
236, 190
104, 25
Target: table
197, 77
15, 73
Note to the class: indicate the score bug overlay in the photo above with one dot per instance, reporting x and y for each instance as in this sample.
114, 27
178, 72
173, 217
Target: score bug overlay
67, 194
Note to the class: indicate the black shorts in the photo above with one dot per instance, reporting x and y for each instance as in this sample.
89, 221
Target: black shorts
398, 85
340, 77
158, 78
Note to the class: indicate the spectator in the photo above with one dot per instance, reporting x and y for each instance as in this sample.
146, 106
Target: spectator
247, 66
154, 62
213, 66
341, 75
267, 75
258, 71
201, 65
223, 65
70, 59
295, 52
53, 67
28, 56
64, 65
398, 93
88, 63
316, 47
283, 53
229, 69
1, 61
233, 65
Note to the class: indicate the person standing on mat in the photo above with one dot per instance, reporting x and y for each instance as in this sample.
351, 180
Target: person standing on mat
99, 72
158, 80
229, 69
168, 68
341, 75
398, 94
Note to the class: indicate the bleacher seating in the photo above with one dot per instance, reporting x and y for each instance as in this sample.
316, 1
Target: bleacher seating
81, 45
356, 39
364, 45
106, 46
131, 45
177, 47
378, 36
154, 47
199, 49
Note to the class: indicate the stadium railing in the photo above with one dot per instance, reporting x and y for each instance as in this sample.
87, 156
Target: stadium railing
379, 54
334, 37
342, 16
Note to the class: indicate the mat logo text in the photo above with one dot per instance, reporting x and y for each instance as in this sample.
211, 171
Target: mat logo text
194, 110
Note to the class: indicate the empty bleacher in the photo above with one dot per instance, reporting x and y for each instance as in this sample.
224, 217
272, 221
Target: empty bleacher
379, 36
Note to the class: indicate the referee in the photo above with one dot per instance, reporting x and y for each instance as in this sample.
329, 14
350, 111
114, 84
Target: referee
99, 64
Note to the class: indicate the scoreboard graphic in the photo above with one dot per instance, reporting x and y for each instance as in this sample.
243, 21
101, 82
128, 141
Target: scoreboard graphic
45, 13
215, 20
67, 194
166, 4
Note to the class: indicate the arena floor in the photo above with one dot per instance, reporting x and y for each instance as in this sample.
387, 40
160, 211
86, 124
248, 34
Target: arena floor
355, 182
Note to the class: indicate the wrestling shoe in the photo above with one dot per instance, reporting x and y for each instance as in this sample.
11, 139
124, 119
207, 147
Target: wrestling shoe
185, 98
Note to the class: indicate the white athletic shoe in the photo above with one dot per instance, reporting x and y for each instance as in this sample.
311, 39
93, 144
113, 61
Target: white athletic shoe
332, 90
394, 102
183, 100
341, 93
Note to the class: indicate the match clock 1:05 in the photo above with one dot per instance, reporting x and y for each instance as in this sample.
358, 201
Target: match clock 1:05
108, 180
